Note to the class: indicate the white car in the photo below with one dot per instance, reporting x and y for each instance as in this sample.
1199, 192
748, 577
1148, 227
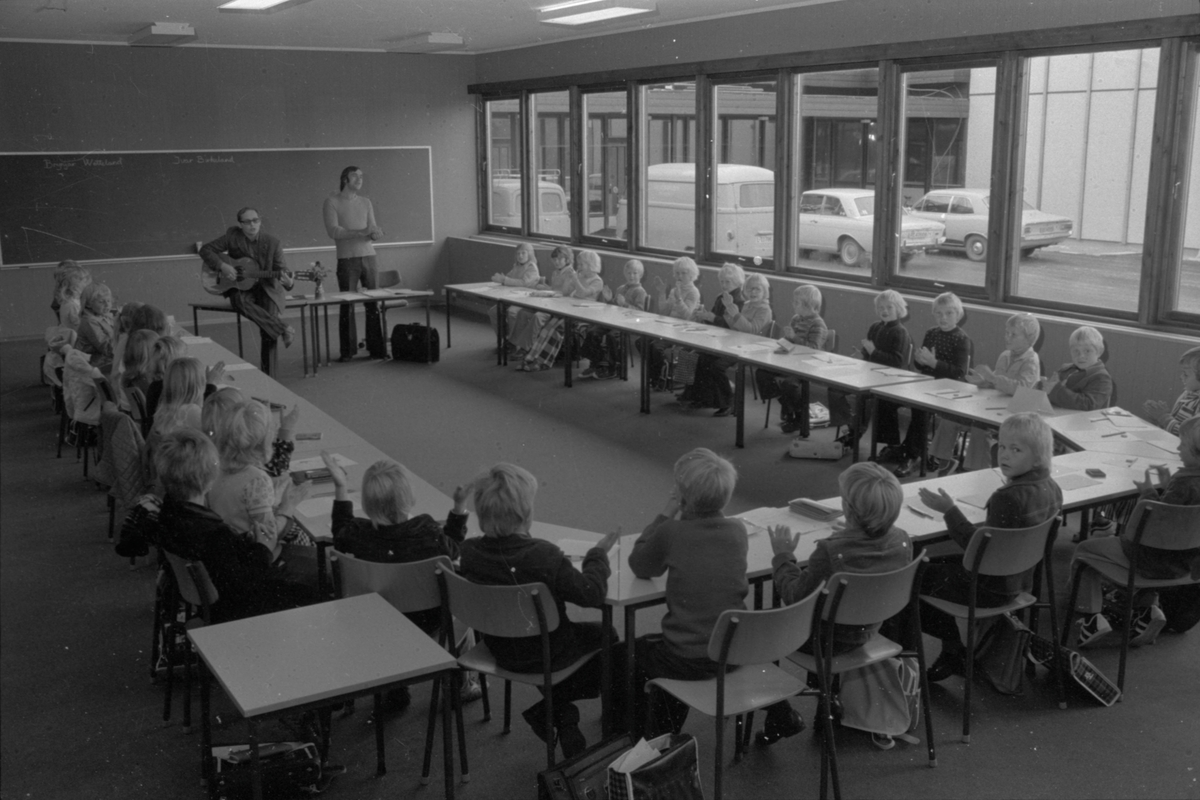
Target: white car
842, 221
964, 212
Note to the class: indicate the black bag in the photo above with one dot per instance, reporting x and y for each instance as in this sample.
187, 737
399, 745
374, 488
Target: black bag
585, 776
415, 342
1000, 654
1181, 604
288, 770
673, 774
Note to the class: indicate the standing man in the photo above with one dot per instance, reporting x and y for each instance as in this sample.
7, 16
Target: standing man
263, 303
350, 222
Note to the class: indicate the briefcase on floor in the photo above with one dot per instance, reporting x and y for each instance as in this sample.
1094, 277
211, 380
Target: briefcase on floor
415, 342
584, 777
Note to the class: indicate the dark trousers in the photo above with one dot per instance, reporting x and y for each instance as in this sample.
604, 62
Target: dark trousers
350, 272
946, 578
258, 307
585, 683
711, 386
655, 659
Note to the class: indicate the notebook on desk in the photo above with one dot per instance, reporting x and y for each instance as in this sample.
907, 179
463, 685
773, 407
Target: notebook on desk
1027, 399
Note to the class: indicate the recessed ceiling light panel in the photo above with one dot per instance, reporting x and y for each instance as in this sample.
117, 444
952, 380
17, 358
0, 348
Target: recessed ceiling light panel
258, 6
588, 12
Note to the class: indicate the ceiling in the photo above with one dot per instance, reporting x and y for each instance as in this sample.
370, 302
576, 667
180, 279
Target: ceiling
485, 25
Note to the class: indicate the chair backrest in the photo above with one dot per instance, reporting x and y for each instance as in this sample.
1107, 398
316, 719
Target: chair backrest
868, 598
408, 587
389, 277
105, 388
509, 611
646, 302
1008, 551
908, 357
759, 637
772, 331
192, 579
830, 341
1165, 526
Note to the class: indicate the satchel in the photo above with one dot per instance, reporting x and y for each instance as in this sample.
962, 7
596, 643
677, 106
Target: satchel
811, 448
288, 770
674, 774
685, 366
1000, 655
884, 697
1085, 673
584, 777
415, 342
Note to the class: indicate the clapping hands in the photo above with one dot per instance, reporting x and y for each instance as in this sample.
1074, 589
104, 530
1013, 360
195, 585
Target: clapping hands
783, 541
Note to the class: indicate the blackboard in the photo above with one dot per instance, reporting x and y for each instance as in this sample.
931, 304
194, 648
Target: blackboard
125, 205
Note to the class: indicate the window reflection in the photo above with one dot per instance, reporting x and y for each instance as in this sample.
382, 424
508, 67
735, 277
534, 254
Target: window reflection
606, 148
504, 161
551, 151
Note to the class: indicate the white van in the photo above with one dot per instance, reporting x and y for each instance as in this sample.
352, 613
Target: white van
554, 218
745, 222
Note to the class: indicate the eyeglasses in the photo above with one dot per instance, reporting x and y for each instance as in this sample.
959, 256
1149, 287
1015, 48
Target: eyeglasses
250, 221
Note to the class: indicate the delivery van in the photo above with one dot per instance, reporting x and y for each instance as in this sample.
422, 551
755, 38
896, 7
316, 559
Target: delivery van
553, 217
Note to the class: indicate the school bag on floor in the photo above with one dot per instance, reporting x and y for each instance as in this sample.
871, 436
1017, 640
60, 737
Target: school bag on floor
884, 698
415, 342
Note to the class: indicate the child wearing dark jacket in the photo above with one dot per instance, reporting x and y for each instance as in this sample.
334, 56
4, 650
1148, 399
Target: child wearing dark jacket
507, 555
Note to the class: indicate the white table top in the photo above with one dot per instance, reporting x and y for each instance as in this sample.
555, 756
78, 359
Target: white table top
956, 399
292, 658
1115, 430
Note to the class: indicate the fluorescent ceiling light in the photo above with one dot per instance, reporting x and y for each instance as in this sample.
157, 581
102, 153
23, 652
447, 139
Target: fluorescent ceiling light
426, 43
587, 12
163, 34
258, 6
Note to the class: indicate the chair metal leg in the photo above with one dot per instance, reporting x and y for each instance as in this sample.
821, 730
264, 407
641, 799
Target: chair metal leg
719, 746
1126, 621
430, 727
1074, 598
380, 760
508, 707
462, 733
487, 701
767, 420
970, 669
187, 685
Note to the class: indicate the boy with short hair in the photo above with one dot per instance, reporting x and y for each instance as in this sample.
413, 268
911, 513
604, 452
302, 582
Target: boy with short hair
1084, 383
507, 555
703, 554
601, 346
1029, 497
1187, 405
1181, 488
806, 328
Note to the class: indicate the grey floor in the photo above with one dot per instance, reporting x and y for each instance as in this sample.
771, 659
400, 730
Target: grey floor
81, 718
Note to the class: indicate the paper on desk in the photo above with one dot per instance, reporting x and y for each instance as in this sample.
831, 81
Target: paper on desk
1127, 421
316, 462
575, 548
345, 296
894, 372
588, 304
754, 347
1029, 399
764, 518
196, 340
1075, 480
239, 367
322, 506
951, 394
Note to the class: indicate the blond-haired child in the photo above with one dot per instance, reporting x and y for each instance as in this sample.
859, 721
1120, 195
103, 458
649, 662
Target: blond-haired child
1084, 383
1187, 405
524, 273
601, 346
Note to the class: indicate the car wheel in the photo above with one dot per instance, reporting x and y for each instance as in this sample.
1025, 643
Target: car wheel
850, 252
905, 258
976, 248
1027, 252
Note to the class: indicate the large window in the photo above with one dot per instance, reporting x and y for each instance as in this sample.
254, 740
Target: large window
743, 214
551, 113
1185, 289
946, 174
504, 162
606, 149
835, 116
1088, 136
668, 169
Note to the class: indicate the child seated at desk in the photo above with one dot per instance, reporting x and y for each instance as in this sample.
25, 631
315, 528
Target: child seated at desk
945, 353
601, 346
807, 328
524, 273
135, 373
703, 554
217, 409
1017, 366
1029, 497
1187, 405
507, 555
70, 279
703, 389
1181, 488
527, 322
711, 388
240, 568
583, 283
1083, 384
680, 303
96, 325
166, 350
889, 344
867, 542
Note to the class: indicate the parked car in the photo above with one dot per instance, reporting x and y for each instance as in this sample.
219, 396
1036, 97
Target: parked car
842, 221
553, 217
964, 212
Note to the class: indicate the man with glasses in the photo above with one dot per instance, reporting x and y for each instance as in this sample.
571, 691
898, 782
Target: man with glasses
263, 302
350, 222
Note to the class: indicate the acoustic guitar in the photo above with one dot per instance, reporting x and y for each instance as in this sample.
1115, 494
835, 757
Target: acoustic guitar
248, 274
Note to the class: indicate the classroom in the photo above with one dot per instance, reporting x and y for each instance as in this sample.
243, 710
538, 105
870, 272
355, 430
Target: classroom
832, 143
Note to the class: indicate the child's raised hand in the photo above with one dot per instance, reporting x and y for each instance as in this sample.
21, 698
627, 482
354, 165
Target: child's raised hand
789, 333
460, 499
287, 426
498, 278
336, 473
215, 373
926, 357
940, 502
783, 541
868, 346
606, 543
607, 295
1156, 409
671, 509
657, 284
293, 495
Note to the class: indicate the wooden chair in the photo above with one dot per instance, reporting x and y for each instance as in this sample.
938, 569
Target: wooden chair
752, 640
195, 591
1001, 552
410, 588
1154, 524
515, 612
864, 599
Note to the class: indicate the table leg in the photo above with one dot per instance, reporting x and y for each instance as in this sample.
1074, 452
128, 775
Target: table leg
239, 327
255, 766
645, 370
195, 321
448, 293
429, 337
739, 403
805, 399
304, 339
568, 347
313, 321
205, 726
925, 445
875, 413
448, 738
328, 349
501, 334
630, 666
380, 761
606, 684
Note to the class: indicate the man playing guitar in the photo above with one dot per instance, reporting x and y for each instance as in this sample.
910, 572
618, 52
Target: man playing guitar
263, 302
